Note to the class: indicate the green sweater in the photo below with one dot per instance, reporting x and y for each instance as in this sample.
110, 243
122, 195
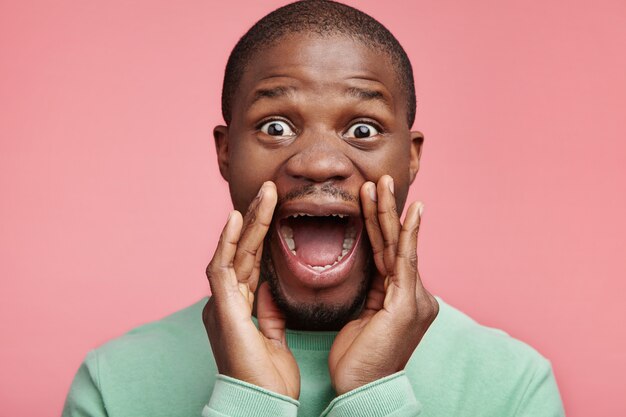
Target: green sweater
460, 368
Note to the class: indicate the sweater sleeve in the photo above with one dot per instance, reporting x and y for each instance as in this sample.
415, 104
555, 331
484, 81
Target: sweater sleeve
391, 396
234, 398
541, 397
84, 398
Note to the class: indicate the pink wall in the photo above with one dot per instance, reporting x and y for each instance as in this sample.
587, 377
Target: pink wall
111, 202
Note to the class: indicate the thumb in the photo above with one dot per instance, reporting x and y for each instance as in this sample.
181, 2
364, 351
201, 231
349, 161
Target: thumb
271, 319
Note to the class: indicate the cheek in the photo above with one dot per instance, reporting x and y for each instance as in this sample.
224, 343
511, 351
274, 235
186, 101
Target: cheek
391, 160
248, 170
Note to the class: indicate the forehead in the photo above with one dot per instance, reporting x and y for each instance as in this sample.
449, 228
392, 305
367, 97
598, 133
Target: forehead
325, 63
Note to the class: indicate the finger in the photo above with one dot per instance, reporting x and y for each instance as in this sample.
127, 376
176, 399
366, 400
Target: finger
219, 271
256, 269
256, 224
370, 214
375, 296
271, 319
388, 219
405, 272
408, 273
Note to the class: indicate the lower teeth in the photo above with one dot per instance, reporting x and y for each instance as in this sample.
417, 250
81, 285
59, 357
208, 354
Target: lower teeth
323, 268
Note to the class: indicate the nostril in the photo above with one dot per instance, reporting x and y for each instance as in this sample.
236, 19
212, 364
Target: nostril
319, 165
318, 176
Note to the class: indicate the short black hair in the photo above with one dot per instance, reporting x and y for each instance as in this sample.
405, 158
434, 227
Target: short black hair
323, 18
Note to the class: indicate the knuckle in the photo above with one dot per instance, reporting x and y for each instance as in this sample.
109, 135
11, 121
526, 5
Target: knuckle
390, 241
413, 261
252, 215
263, 223
214, 272
210, 270
377, 252
372, 221
410, 257
213, 269
254, 204
392, 210
248, 251
256, 223
250, 218
412, 229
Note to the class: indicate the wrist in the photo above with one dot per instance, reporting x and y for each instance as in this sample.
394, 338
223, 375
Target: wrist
344, 385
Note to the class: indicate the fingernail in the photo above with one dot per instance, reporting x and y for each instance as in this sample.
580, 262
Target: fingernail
390, 184
371, 189
420, 209
230, 215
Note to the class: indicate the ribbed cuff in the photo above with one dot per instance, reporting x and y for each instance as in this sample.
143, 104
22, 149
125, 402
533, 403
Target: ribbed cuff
234, 398
389, 396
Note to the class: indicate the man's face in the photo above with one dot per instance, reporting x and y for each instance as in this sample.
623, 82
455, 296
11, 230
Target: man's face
318, 116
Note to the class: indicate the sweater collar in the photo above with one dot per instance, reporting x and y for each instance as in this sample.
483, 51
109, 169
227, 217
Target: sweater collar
307, 340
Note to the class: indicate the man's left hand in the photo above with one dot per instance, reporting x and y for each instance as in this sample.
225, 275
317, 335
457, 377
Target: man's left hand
398, 310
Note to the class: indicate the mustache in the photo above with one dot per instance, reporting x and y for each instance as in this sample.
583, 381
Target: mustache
314, 190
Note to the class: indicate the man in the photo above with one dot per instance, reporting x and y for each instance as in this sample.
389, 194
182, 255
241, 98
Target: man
317, 306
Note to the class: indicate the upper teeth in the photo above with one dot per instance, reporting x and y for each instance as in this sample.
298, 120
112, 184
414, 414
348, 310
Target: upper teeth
311, 215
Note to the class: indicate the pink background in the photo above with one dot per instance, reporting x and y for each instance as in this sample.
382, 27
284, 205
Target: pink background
111, 201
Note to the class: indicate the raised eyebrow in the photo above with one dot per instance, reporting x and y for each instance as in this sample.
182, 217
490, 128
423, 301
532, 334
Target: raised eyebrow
369, 94
279, 91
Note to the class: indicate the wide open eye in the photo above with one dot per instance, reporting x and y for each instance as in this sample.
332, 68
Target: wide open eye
277, 128
361, 131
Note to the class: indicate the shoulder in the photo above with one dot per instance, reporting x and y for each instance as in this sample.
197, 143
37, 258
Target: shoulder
460, 361
162, 365
171, 348
454, 332
181, 328
457, 337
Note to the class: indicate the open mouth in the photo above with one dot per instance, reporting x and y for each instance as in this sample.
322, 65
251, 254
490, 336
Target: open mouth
319, 243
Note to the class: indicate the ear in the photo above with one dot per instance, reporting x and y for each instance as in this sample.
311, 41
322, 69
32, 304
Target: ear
417, 140
220, 134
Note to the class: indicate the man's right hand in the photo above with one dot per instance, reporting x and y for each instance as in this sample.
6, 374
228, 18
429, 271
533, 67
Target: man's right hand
257, 356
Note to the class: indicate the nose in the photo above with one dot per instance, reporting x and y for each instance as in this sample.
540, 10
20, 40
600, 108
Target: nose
319, 159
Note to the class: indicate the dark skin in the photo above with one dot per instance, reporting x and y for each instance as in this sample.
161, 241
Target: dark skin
318, 111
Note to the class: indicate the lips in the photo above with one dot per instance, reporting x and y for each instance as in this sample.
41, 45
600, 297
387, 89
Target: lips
318, 241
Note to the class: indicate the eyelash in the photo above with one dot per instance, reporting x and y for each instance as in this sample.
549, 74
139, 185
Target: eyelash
381, 130
276, 119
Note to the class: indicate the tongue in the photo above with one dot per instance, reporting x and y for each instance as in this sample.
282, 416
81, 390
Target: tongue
318, 241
